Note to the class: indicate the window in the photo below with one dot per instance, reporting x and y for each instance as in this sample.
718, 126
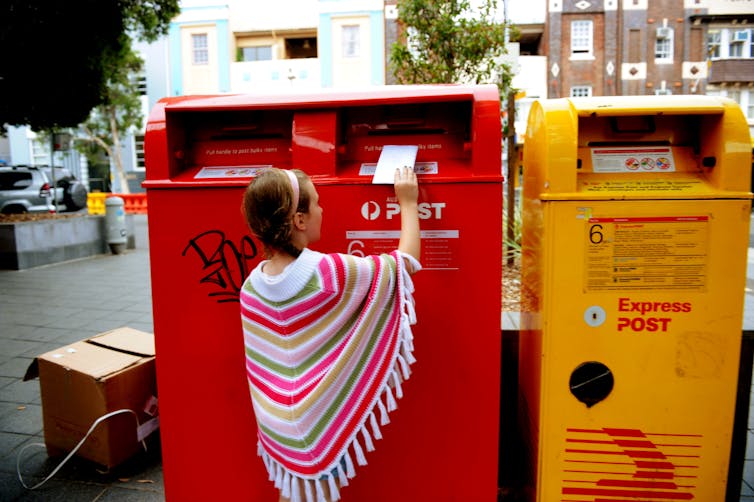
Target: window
140, 81
581, 91
199, 49
664, 44
139, 151
735, 46
13, 180
735, 96
260, 53
300, 48
581, 38
40, 150
713, 44
351, 41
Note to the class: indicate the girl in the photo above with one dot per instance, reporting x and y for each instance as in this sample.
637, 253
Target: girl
327, 336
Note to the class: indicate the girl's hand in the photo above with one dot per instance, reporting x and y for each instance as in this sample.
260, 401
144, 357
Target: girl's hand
406, 186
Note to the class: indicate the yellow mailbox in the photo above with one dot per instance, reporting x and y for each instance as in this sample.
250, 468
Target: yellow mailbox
635, 232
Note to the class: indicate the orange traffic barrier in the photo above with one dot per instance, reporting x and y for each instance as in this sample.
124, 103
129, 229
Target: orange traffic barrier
134, 203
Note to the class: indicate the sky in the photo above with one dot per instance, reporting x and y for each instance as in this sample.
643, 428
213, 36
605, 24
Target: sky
526, 11
519, 11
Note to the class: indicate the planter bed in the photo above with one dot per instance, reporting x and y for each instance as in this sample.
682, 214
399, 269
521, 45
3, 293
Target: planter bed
45, 239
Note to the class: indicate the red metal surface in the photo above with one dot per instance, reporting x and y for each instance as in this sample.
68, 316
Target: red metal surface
442, 442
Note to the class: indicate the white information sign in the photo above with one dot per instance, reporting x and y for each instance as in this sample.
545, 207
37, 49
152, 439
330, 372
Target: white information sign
632, 160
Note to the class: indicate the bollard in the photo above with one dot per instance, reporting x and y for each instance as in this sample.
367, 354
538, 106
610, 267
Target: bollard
115, 224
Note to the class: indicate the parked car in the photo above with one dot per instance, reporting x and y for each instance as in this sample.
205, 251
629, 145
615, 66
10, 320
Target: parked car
28, 189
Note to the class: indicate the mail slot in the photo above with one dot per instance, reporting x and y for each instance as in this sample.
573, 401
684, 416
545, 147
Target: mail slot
636, 228
441, 443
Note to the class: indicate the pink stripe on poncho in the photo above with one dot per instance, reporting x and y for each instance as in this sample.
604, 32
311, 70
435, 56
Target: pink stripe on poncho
328, 345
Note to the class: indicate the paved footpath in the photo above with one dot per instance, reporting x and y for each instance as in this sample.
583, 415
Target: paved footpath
44, 308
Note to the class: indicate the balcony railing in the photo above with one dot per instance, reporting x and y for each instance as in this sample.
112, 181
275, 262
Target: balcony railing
255, 76
731, 71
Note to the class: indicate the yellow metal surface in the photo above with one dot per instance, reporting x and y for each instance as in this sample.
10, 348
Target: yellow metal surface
635, 279
95, 202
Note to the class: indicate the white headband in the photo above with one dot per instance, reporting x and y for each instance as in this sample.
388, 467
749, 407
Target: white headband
294, 186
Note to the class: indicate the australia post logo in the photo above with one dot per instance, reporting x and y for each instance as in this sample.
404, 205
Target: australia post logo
371, 210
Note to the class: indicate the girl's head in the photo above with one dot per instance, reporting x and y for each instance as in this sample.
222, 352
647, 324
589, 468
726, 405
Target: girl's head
275, 217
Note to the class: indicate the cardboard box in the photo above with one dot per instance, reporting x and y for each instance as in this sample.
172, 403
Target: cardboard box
83, 381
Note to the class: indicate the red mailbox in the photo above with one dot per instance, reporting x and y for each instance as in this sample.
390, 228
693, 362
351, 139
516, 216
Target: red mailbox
442, 442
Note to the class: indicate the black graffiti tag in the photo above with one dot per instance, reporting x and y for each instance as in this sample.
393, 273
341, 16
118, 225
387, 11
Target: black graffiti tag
225, 265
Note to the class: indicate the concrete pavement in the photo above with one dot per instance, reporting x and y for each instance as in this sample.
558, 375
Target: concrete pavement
42, 309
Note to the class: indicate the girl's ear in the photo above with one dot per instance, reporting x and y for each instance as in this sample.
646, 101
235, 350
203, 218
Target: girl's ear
298, 221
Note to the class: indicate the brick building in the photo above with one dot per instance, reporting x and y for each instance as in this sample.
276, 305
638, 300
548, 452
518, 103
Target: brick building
633, 47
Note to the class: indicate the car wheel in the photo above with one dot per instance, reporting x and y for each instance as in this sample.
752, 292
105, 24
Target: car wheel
75, 196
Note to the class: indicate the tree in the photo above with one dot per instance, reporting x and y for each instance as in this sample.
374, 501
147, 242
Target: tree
119, 112
449, 42
56, 58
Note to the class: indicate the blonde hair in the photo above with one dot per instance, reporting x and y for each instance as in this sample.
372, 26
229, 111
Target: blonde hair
268, 207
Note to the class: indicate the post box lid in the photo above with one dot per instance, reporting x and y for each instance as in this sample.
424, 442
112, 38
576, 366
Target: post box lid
637, 147
643, 105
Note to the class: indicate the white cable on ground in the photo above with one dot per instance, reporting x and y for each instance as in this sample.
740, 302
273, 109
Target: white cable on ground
89, 432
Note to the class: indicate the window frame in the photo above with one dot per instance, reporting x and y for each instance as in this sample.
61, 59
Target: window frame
735, 48
350, 41
138, 149
255, 50
199, 49
664, 54
582, 39
581, 91
714, 44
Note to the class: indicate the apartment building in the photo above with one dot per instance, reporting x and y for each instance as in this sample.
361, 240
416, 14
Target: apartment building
234, 46
639, 47
729, 50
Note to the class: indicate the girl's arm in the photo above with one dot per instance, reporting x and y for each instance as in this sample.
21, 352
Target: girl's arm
407, 193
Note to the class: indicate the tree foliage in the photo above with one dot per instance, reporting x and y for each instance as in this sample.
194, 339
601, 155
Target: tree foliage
56, 58
119, 112
450, 42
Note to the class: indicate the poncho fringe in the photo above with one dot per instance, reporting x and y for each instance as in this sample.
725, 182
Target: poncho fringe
303, 488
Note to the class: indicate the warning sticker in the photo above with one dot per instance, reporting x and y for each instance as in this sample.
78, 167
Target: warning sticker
631, 160
230, 171
645, 253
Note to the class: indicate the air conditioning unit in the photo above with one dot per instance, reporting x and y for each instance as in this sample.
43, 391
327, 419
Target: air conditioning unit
741, 36
664, 32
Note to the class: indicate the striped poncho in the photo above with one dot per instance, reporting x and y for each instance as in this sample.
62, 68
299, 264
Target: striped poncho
328, 344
